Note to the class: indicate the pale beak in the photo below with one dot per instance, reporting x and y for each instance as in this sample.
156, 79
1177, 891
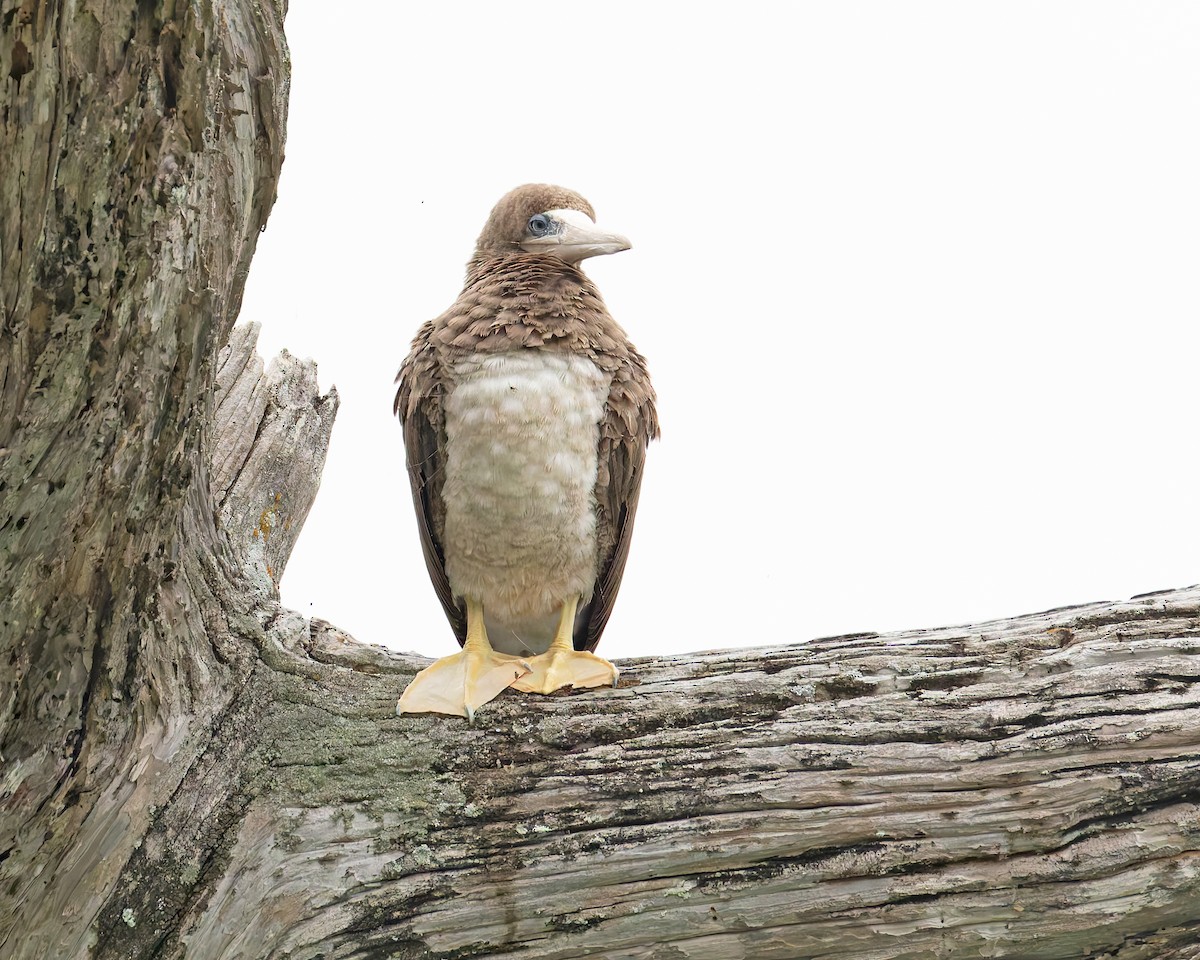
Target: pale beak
576, 239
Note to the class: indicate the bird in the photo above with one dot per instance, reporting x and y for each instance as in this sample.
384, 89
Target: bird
526, 414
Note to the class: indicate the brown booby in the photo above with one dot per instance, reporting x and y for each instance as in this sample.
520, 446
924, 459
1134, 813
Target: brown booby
526, 414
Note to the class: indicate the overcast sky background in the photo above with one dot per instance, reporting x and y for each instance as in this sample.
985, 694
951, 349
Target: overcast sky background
917, 283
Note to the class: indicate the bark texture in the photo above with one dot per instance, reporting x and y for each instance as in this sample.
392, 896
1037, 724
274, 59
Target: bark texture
139, 150
189, 770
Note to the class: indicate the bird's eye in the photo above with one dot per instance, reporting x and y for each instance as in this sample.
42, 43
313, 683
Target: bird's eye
539, 225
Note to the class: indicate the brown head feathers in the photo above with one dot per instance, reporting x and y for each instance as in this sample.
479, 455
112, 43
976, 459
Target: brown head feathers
507, 225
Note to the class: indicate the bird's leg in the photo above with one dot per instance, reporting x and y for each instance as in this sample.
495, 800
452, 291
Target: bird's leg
564, 666
463, 682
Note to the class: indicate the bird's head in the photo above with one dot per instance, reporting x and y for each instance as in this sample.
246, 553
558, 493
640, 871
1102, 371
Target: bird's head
542, 219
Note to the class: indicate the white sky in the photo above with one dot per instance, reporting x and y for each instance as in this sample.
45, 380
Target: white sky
917, 284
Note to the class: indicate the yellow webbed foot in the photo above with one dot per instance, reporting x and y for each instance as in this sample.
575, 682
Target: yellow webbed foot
564, 666
557, 668
460, 684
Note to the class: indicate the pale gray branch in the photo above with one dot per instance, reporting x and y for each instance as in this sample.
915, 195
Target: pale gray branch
270, 436
1023, 788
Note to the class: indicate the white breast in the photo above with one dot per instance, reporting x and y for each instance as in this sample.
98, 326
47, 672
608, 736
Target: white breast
522, 430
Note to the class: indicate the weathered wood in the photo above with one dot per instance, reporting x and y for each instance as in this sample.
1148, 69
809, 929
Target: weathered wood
1025, 788
272, 433
190, 770
140, 146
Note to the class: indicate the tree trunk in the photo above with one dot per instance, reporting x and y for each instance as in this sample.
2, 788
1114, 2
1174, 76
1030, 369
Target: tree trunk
190, 770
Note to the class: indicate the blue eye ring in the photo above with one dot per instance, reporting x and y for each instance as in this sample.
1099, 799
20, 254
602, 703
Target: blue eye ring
540, 225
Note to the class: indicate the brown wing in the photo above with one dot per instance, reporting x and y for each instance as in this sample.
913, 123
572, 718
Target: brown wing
419, 407
630, 423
